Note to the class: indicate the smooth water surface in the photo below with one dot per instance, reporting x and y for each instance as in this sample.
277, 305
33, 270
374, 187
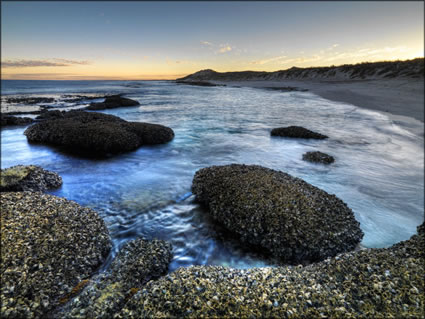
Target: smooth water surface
379, 168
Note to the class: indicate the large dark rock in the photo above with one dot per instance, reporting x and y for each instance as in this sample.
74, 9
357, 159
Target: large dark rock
318, 157
28, 178
9, 120
137, 262
48, 246
291, 219
371, 283
97, 133
296, 132
112, 102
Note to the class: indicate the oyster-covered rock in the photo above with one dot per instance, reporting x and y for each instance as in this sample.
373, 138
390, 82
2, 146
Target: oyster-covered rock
291, 219
318, 157
48, 246
28, 178
97, 133
137, 262
296, 132
371, 283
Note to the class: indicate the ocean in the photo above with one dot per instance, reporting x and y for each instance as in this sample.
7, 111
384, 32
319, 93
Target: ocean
378, 169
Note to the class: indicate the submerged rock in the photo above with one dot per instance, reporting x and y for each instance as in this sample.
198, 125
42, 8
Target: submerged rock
372, 283
318, 157
293, 220
296, 132
137, 262
9, 120
112, 102
48, 246
97, 133
28, 178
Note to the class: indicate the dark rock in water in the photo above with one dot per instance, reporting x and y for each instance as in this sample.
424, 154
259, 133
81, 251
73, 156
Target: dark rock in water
370, 283
318, 157
293, 220
296, 131
287, 89
29, 100
9, 120
48, 115
97, 133
112, 102
199, 83
48, 245
137, 262
28, 178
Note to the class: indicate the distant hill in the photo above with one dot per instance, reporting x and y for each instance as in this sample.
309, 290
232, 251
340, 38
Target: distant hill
367, 70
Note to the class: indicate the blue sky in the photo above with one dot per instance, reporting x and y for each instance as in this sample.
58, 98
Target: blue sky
168, 39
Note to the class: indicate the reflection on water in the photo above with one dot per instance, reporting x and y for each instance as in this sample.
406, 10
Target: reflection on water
378, 170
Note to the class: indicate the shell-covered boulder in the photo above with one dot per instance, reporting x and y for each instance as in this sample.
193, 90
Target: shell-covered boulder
112, 102
28, 178
291, 219
48, 246
371, 283
318, 157
101, 134
137, 262
296, 132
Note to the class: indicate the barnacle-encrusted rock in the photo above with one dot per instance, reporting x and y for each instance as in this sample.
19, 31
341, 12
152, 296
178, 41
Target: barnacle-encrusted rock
28, 178
296, 131
137, 262
97, 133
9, 120
48, 245
318, 157
372, 283
111, 102
290, 218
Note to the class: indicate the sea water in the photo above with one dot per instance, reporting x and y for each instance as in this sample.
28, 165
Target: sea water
378, 169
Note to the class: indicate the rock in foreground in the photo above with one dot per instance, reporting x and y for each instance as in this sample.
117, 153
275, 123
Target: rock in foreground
137, 262
293, 220
48, 245
373, 283
318, 157
97, 133
28, 178
112, 102
296, 132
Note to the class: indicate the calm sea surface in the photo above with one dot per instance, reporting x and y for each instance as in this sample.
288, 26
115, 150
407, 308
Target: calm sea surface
379, 168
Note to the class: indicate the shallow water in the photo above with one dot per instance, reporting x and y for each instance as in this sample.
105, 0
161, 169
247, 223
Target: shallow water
379, 168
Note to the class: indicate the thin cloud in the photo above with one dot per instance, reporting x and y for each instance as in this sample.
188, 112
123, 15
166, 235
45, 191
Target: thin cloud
261, 62
224, 49
37, 63
207, 43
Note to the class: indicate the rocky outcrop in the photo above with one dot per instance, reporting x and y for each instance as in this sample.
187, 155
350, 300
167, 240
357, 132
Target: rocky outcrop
318, 157
296, 132
48, 246
198, 83
137, 262
112, 102
291, 219
28, 178
96, 133
372, 283
9, 120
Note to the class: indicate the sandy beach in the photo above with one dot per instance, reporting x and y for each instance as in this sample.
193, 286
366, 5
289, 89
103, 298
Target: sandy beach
401, 99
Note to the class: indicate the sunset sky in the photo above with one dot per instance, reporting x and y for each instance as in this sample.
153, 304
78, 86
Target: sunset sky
166, 40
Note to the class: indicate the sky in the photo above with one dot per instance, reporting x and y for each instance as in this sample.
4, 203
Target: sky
78, 40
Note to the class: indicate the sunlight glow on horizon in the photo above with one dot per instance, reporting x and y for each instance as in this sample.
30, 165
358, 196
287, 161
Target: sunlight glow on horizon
102, 43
